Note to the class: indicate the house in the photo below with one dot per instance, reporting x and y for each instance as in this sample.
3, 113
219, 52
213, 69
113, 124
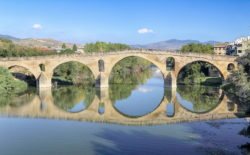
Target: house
220, 48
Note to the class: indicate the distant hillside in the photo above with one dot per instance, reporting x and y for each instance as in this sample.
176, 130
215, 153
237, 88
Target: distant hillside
172, 44
45, 43
8, 37
35, 42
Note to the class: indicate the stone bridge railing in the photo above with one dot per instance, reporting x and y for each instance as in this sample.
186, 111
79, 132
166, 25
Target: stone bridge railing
99, 54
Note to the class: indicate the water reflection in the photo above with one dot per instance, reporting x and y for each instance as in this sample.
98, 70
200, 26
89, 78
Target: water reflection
17, 100
142, 100
199, 99
144, 103
72, 98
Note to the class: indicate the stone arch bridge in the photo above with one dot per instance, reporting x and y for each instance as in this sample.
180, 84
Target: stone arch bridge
101, 64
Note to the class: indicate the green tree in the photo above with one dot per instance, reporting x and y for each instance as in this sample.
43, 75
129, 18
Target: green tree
74, 48
64, 46
104, 47
197, 48
74, 73
238, 83
10, 87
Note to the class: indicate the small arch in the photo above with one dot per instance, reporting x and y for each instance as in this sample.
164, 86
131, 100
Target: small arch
170, 110
42, 67
230, 106
24, 74
170, 64
230, 67
101, 65
72, 72
101, 108
214, 71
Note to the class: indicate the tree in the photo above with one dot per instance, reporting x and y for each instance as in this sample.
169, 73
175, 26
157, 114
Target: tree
104, 47
74, 48
64, 46
239, 80
197, 48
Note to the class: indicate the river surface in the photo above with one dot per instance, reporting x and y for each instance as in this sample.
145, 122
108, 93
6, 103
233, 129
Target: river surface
143, 118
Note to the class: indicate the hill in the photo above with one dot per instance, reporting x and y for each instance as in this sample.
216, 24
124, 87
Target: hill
38, 42
172, 44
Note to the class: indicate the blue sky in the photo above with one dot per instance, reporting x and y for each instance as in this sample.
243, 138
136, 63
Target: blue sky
126, 21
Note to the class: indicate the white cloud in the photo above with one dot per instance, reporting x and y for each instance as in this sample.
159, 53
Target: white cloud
37, 26
144, 90
145, 30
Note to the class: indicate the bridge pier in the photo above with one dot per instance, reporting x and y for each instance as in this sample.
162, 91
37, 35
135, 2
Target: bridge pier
102, 81
170, 80
43, 81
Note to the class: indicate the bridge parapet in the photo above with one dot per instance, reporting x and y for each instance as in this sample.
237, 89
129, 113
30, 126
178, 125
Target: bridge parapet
100, 54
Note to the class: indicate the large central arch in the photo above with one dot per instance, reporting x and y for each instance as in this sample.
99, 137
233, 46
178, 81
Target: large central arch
129, 94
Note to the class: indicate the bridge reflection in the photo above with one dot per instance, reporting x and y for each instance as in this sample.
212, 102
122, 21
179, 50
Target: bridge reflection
102, 110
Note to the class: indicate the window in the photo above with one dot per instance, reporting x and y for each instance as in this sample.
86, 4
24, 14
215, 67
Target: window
101, 65
170, 63
42, 67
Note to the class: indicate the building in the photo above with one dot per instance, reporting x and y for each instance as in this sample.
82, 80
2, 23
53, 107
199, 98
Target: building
240, 47
221, 48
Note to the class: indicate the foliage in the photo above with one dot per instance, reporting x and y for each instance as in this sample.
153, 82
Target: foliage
9, 87
67, 51
9, 84
104, 47
74, 72
64, 46
198, 73
9, 49
74, 48
239, 80
197, 48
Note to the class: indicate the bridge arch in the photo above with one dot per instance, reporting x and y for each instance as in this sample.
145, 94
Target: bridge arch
72, 61
23, 73
230, 67
220, 69
33, 71
158, 64
156, 106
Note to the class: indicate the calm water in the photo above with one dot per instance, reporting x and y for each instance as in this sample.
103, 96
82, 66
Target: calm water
124, 119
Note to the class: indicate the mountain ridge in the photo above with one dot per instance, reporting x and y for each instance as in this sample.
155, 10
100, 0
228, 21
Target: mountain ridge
171, 44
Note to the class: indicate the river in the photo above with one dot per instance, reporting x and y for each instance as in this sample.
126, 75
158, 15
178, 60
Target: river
143, 118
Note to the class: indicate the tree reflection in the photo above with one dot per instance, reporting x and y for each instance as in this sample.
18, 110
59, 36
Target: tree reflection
127, 75
67, 97
16, 100
203, 98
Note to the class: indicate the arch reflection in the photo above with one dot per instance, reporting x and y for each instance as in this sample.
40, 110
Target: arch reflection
73, 98
136, 87
198, 98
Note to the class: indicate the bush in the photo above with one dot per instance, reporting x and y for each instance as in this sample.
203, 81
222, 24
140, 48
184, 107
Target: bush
9, 84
